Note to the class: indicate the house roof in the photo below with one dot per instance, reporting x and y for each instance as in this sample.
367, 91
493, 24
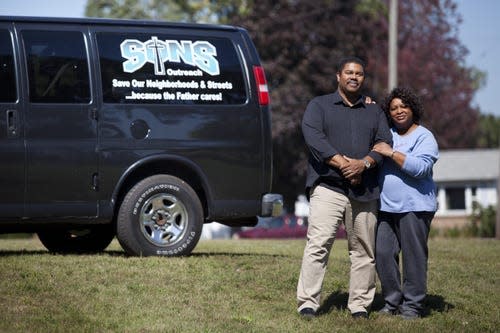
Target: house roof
467, 165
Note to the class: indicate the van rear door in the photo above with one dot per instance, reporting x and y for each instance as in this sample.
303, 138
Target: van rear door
60, 124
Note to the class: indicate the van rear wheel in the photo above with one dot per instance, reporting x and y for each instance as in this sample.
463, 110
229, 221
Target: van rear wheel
160, 216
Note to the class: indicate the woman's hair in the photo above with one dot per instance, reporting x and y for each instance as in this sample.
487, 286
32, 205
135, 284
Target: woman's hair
409, 98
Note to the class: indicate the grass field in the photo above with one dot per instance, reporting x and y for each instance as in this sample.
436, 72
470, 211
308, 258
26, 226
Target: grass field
229, 286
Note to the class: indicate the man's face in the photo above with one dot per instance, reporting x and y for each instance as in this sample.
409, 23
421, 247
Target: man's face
351, 78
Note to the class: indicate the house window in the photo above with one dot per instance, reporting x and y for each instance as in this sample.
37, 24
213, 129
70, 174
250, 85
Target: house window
455, 198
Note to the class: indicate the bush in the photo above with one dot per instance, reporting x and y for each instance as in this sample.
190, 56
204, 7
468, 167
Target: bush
482, 221
453, 233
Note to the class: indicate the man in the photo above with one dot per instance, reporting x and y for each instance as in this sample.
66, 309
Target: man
340, 130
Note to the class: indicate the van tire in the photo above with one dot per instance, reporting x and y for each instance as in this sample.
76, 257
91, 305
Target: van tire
91, 239
160, 216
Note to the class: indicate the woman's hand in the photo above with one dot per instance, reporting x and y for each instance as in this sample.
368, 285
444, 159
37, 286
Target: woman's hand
369, 100
383, 149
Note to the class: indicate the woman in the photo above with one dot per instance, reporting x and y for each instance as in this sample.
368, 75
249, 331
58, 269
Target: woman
408, 203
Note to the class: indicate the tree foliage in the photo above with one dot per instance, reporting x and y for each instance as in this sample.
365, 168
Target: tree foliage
489, 131
301, 41
432, 61
203, 11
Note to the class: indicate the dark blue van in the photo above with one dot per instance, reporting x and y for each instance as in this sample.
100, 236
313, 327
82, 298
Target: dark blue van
142, 130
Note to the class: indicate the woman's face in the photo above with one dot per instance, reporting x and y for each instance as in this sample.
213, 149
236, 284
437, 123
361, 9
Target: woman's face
401, 114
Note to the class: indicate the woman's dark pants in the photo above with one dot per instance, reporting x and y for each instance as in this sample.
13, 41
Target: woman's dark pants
406, 233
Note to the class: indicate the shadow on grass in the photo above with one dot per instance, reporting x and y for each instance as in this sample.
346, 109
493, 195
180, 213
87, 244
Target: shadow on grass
114, 253
11, 253
338, 301
436, 303
233, 254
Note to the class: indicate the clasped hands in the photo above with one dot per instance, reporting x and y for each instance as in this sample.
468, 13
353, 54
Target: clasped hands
351, 169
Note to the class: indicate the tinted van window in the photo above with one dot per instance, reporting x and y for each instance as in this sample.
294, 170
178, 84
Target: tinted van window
8, 91
57, 66
159, 69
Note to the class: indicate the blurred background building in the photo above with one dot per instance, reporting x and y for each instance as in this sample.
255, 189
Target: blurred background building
464, 177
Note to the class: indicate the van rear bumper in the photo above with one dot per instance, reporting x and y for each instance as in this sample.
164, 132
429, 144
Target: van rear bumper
272, 205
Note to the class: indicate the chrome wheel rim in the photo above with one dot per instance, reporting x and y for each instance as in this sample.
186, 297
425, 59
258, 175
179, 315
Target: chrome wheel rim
164, 219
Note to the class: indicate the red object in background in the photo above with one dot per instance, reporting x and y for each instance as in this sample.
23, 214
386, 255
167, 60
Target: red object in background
285, 226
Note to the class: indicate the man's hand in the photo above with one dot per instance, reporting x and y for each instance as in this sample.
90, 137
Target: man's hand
352, 170
355, 180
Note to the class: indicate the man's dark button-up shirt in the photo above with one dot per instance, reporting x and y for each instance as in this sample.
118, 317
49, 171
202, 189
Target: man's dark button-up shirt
331, 127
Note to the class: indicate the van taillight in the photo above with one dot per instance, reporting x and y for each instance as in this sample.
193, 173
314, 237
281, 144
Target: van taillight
262, 91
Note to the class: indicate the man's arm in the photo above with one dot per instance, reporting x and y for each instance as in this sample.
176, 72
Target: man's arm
383, 134
314, 136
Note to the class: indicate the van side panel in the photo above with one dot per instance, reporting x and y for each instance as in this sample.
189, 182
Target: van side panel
91, 107
157, 109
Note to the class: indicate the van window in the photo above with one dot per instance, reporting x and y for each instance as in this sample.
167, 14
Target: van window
166, 69
57, 66
8, 91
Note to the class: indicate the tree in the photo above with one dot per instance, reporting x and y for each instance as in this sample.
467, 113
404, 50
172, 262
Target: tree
489, 132
301, 41
206, 11
432, 61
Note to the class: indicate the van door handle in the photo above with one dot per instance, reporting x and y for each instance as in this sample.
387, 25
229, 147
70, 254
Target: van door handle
12, 123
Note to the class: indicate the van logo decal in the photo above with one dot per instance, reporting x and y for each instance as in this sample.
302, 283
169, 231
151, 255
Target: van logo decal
201, 54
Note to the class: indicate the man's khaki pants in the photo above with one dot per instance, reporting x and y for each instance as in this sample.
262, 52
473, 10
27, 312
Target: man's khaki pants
327, 211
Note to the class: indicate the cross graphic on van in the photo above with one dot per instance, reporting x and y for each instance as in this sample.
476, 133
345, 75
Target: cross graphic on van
159, 65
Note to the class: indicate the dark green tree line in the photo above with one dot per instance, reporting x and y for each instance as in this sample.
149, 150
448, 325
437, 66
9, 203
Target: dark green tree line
205, 11
301, 41
489, 131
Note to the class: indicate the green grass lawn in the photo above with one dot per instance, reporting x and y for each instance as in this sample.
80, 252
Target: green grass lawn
229, 286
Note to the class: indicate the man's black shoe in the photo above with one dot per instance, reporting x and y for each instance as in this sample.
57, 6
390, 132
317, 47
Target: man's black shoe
360, 315
307, 313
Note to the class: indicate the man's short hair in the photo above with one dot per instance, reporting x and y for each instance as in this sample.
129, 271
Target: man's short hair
348, 60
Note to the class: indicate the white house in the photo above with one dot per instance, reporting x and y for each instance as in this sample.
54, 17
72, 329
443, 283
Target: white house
462, 177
